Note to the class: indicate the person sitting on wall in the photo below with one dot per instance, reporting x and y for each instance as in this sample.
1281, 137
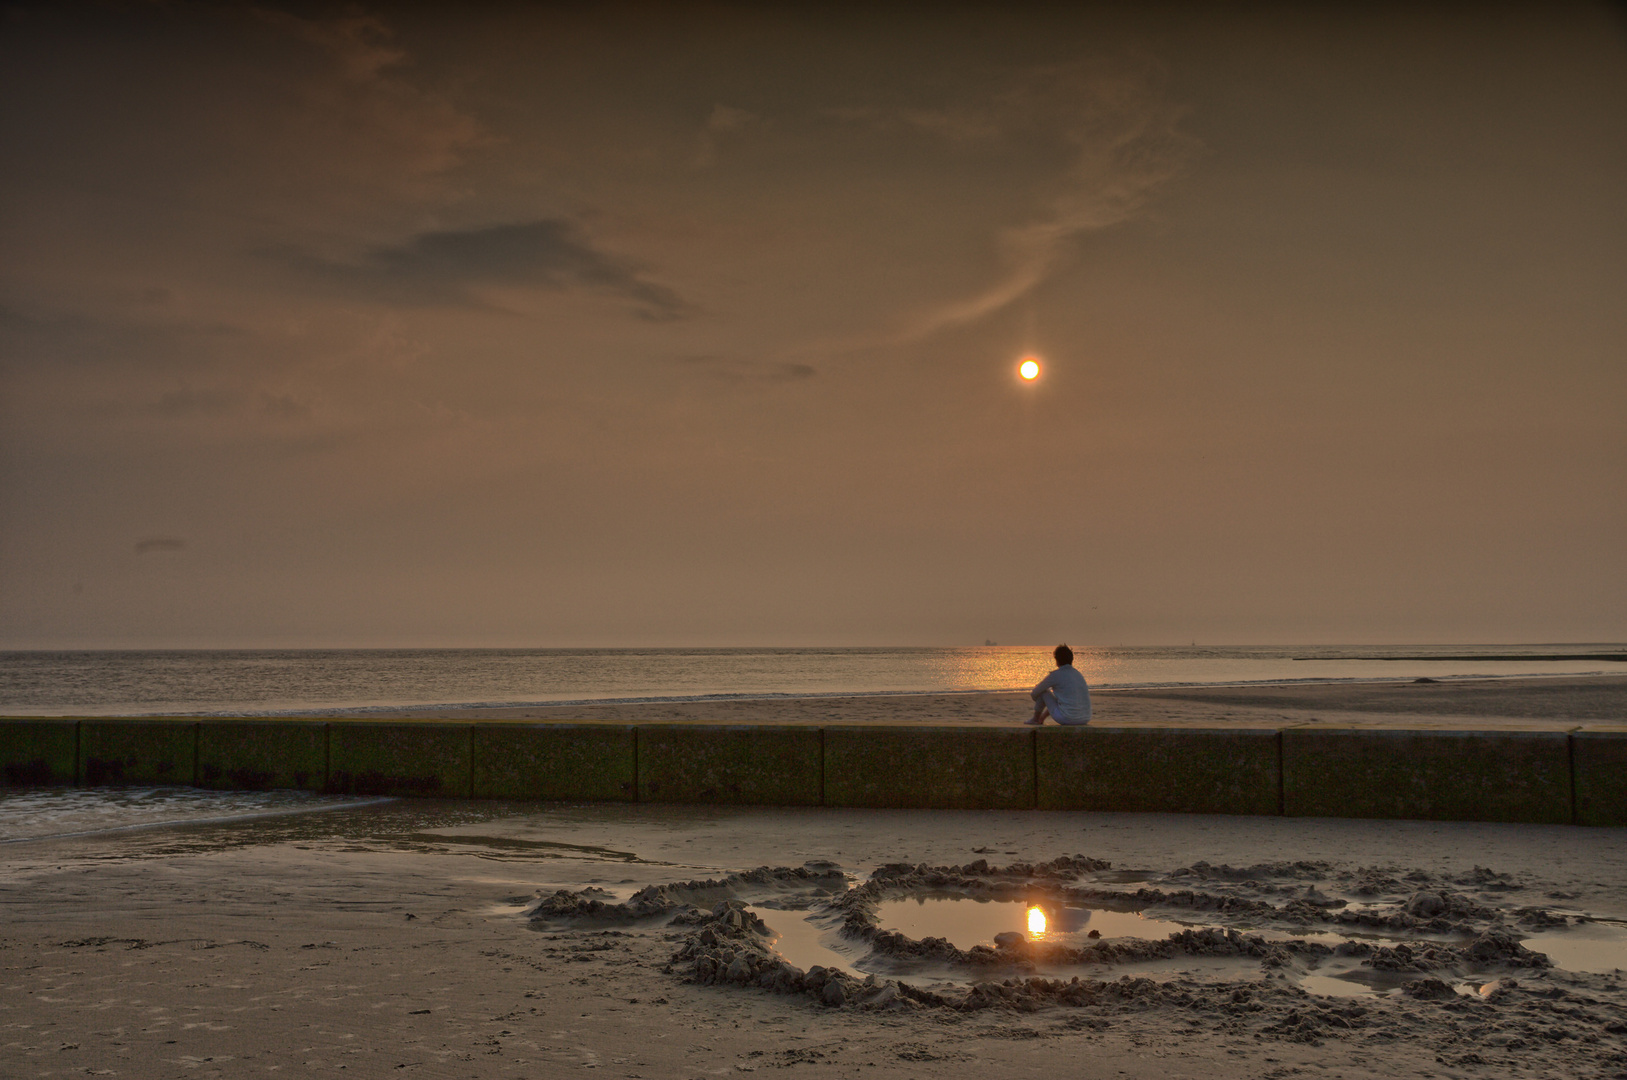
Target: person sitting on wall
1062, 695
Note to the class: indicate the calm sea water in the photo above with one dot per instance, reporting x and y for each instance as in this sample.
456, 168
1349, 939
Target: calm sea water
249, 682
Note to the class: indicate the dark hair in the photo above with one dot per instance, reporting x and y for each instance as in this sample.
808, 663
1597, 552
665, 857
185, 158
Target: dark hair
1063, 654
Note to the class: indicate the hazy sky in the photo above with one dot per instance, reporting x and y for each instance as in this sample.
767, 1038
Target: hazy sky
643, 325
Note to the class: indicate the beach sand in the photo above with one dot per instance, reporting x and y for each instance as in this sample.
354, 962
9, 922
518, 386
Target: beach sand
396, 939
1556, 703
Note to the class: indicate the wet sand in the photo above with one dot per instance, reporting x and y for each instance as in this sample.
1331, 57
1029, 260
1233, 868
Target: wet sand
1557, 703
396, 939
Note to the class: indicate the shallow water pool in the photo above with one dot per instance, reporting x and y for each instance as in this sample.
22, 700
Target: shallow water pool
1597, 947
966, 922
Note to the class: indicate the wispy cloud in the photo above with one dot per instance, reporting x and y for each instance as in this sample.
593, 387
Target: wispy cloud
1122, 141
722, 122
731, 369
159, 543
448, 266
956, 123
75, 339
190, 402
363, 97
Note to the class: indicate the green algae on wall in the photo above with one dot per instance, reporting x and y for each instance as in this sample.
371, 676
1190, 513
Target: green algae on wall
381, 758
766, 766
39, 753
160, 751
595, 762
949, 768
1159, 770
259, 755
1439, 775
1599, 770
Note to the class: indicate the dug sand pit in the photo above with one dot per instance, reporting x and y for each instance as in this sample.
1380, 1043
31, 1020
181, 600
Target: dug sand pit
1443, 974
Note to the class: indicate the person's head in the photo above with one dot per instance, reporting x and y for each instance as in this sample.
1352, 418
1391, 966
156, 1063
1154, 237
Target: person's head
1064, 656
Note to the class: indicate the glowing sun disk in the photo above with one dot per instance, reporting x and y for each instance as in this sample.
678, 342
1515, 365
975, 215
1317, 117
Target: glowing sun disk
1029, 368
1036, 921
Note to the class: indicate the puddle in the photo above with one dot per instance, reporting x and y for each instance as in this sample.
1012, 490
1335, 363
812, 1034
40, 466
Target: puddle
508, 848
1356, 982
804, 943
1333, 939
50, 813
1597, 948
814, 939
966, 922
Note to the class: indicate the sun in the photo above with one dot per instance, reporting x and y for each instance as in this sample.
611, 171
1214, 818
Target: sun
1029, 368
1036, 921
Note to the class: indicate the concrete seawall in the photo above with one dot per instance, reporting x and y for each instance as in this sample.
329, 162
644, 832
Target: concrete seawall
1576, 777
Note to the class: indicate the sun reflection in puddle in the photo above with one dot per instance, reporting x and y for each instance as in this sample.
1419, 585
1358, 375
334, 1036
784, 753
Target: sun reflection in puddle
966, 922
1597, 946
962, 921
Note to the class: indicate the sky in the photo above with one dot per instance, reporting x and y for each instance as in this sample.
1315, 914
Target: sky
644, 325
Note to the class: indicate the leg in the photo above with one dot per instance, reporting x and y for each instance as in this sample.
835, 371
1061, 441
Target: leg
1042, 711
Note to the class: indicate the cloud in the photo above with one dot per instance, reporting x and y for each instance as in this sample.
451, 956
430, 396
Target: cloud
359, 43
448, 266
229, 119
283, 407
724, 120
190, 402
75, 378
75, 339
159, 543
748, 371
957, 124
728, 118
361, 106
1118, 133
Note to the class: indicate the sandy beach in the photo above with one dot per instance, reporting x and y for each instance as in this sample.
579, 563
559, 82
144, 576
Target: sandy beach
460, 939
1554, 704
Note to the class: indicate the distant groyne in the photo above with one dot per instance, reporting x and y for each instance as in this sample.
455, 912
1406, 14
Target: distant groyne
1549, 777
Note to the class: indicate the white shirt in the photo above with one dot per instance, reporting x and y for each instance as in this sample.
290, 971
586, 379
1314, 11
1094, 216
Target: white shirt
1072, 695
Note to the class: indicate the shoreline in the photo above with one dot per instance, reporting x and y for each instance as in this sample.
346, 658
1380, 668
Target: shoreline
1594, 697
1541, 703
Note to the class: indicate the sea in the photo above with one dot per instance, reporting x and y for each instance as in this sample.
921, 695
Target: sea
253, 682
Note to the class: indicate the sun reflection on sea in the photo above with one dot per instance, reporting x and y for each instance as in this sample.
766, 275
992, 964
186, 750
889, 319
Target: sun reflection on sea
1001, 667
